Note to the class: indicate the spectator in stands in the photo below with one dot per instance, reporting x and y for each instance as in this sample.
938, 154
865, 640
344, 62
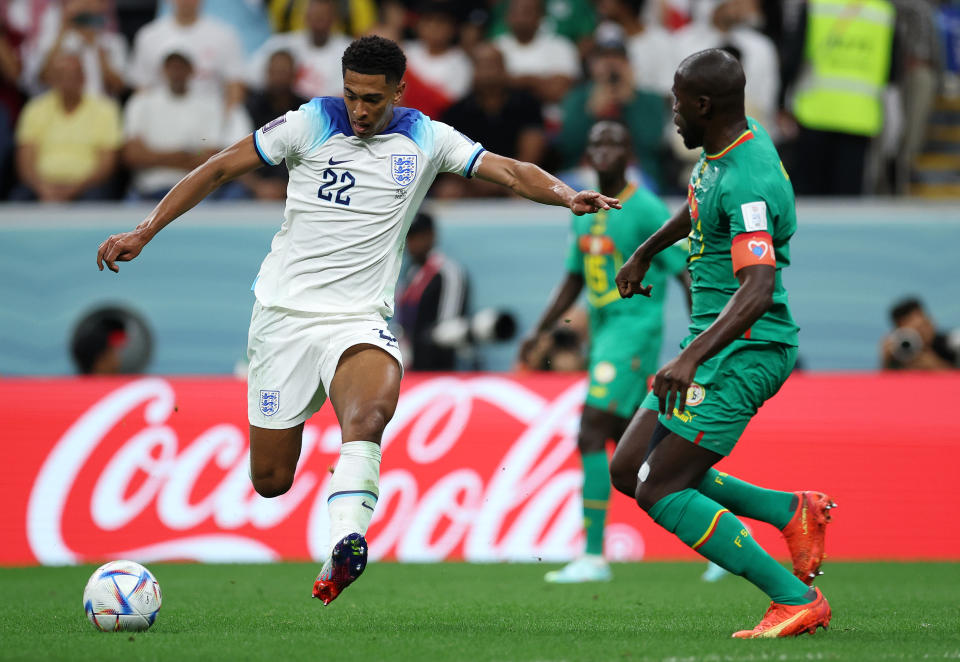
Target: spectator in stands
277, 97
545, 65
435, 289
11, 100
915, 343
610, 93
248, 18
213, 47
573, 20
920, 70
67, 139
438, 72
838, 86
316, 49
83, 27
172, 129
358, 16
504, 120
648, 45
728, 23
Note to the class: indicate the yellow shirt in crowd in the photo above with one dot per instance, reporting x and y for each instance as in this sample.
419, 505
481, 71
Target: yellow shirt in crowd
68, 144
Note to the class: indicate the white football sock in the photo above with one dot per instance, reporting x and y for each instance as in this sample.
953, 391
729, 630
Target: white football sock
354, 489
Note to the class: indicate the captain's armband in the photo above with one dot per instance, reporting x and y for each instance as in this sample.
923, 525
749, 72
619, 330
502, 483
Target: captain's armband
752, 248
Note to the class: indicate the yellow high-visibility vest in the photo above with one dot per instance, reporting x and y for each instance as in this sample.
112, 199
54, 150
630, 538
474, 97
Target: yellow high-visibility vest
847, 51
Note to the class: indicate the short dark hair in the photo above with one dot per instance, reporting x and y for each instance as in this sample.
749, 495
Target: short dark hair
422, 222
375, 55
903, 308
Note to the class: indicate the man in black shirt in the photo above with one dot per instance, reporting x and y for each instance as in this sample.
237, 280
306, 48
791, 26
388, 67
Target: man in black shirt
435, 289
504, 120
277, 97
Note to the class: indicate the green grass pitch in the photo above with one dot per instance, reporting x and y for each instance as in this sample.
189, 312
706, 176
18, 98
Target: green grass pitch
453, 611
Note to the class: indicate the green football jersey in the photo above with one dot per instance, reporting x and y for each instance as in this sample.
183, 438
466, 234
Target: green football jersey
602, 242
740, 191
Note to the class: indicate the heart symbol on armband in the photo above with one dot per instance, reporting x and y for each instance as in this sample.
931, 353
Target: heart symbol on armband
758, 248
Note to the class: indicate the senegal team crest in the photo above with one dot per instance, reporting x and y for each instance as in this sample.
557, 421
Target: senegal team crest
403, 168
269, 402
695, 394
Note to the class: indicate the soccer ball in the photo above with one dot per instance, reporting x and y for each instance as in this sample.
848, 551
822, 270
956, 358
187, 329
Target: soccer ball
122, 596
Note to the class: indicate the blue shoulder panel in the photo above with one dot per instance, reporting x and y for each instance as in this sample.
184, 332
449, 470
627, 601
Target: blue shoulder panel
414, 125
328, 116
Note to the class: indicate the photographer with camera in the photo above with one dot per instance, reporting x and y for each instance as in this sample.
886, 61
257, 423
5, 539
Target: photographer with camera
85, 28
436, 332
915, 343
610, 94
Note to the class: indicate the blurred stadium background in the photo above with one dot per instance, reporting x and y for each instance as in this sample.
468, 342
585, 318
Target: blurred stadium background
152, 465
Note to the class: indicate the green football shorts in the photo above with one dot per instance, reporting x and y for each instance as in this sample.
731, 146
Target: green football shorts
622, 359
728, 390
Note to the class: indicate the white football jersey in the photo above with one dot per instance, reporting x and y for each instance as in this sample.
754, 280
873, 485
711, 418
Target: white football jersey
349, 204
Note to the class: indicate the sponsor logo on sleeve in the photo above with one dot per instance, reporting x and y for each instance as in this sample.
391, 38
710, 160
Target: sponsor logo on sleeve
754, 216
273, 124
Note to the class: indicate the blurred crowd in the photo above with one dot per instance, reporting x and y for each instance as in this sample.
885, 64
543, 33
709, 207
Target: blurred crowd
118, 99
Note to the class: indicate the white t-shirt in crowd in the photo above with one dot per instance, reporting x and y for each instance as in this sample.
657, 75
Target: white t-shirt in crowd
545, 55
349, 204
652, 60
761, 64
165, 122
451, 72
318, 67
213, 47
34, 54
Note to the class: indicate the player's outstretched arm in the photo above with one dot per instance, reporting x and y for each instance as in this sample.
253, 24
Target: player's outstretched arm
228, 164
561, 300
753, 298
629, 278
535, 183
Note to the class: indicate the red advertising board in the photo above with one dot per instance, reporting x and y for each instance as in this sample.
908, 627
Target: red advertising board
477, 467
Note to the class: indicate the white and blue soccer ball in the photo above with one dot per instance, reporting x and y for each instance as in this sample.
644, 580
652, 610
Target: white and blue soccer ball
122, 596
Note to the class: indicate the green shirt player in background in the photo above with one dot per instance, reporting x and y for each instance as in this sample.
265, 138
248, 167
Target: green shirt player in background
742, 346
625, 335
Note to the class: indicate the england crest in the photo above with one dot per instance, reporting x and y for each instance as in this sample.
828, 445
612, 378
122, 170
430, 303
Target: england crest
403, 167
269, 402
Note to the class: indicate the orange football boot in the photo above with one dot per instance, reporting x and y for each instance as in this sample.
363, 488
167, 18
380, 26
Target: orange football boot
805, 534
790, 620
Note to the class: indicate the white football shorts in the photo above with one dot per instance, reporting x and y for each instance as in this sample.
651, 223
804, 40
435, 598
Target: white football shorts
293, 356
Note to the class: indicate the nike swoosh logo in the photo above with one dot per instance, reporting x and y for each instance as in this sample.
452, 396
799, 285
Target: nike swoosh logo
332, 162
366, 505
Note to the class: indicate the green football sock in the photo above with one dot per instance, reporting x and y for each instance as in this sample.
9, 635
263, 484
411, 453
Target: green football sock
596, 496
746, 500
713, 531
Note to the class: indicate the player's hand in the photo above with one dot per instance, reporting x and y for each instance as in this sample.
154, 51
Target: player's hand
671, 383
121, 247
629, 278
590, 202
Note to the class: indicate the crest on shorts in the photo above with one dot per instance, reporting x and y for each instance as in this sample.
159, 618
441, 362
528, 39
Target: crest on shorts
269, 402
403, 168
695, 394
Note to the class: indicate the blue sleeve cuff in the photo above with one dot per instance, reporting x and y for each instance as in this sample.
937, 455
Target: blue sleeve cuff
468, 171
263, 157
